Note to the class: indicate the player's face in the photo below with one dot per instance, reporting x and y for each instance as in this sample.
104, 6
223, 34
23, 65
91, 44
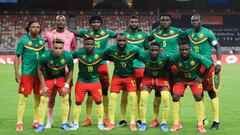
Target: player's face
34, 29
165, 22
154, 51
89, 45
96, 24
58, 49
195, 21
61, 22
184, 50
133, 23
121, 41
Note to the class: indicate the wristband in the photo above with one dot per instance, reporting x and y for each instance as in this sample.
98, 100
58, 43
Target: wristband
218, 62
66, 85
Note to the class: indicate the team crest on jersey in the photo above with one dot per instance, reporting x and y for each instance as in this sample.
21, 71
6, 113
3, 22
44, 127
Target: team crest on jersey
67, 36
128, 35
62, 61
96, 56
164, 34
171, 32
102, 32
179, 64
192, 62
115, 53
160, 63
201, 35
84, 56
29, 42
139, 36
160, 32
51, 62
40, 42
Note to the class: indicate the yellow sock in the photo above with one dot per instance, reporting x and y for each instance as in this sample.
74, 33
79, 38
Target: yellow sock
175, 110
124, 101
215, 107
21, 107
133, 106
143, 106
156, 106
200, 110
89, 104
204, 116
36, 105
165, 105
65, 108
105, 105
42, 109
112, 106
100, 112
76, 111
138, 101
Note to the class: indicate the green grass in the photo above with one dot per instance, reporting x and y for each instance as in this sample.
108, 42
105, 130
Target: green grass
229, 109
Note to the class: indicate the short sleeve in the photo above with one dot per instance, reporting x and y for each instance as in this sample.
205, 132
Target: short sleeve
20, 47
212, 39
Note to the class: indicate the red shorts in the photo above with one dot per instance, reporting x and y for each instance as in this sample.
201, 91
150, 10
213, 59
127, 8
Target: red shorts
207, 83
120, 83
149, 83
29, 83
179, 88
55, 84
94, 88
139, 72
103, 75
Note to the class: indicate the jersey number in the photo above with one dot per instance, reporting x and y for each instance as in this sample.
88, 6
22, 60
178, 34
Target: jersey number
196, 49
187, 75
164, 43
90, 69
123, 64
37, 54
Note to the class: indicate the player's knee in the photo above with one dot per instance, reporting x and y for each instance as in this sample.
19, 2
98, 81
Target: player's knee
78, 103
105, 91
198, 97
98, 102
212, 94
176, 98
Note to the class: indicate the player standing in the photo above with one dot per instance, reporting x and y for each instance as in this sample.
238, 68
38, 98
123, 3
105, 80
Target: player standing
135, 36
69, 45
101, 37
167, 36
28, 49
201, 41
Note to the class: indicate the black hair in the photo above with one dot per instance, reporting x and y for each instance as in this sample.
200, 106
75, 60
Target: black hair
30, 23
155, 25
89, 38
58, 40
94, 18
133, 17
183, 41
165, 14
155, 44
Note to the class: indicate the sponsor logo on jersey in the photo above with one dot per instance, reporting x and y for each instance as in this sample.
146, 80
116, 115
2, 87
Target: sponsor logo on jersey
62, 61
192, 62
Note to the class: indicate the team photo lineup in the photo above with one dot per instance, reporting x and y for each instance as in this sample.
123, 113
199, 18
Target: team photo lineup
164, 62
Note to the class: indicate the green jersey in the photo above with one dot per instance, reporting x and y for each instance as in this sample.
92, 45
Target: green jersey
168, 40
202, 41
140, 40
101, 37
155, 68
54, 67
88, 65
188, 70
123, 60
30, 50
